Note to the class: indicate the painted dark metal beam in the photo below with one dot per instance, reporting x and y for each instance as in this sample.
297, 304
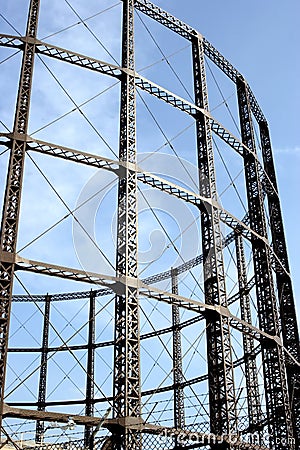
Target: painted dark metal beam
12, 199
127, 394
288, 317
179, 420
182, 268
189, 33
137, 425
255, 415
39, 434
118, 284
281, 371
222, 403
277, 398
90, 372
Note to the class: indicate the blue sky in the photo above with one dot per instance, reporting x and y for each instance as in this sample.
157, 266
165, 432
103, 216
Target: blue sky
260, 38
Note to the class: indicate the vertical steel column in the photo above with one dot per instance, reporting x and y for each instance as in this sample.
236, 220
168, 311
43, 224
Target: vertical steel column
12, 199
223, 418
89, 396
251, 375
277, 399
43, 371
177, 359
127, 395
290, 333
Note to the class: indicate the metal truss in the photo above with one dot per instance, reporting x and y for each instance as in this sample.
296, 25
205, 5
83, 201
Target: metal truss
90, 372
146, 429
223, 419
188, 265
117, 286
251, 373
43, 370
279, 412
187, 32
275, 340
155, 90
11, 208
145, 177
290, 334
177, 359
127, 396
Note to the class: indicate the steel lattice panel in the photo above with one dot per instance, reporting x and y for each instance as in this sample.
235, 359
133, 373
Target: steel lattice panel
185, 349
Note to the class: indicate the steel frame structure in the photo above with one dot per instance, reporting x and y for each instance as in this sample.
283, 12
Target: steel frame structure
277, 336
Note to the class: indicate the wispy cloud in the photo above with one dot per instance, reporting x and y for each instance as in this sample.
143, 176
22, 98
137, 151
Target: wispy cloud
295, 151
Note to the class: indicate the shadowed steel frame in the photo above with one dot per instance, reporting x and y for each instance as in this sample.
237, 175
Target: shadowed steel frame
277, 325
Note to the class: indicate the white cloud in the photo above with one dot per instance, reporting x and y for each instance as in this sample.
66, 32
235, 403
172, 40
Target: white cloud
294, 151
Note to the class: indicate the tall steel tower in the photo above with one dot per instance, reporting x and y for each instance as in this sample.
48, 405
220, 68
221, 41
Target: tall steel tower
197, 350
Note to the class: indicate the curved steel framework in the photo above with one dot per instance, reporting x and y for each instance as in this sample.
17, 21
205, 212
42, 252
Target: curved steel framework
239, 398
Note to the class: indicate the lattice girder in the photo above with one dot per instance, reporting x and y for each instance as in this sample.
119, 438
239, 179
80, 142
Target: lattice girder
274, 342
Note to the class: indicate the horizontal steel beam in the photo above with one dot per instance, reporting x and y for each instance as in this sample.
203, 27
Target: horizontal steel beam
157, 14
73, 155
189, 33
64, 296
149, 392
202, 308
148, 86
21, 413
167, 96
166, 19
6, 40
188, 265
130, 422
78, 59
149, 179
197, 200
145, 84
145, 177
117, 284
192, 110
91, 159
